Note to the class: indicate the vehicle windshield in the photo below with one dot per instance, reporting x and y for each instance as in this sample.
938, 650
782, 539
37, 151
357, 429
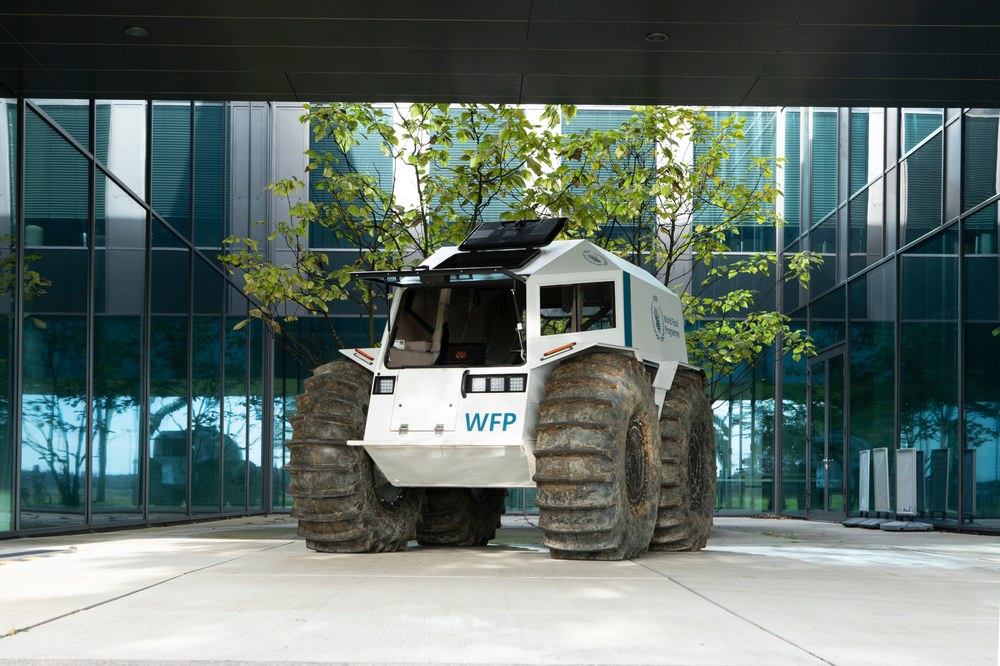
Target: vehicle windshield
459, 325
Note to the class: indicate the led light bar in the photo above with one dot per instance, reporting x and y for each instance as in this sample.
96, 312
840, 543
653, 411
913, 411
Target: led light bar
384, 385
496, 383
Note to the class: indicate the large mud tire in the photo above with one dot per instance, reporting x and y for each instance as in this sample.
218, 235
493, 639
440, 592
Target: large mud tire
597, 452
687, 485
342, 501
460, 516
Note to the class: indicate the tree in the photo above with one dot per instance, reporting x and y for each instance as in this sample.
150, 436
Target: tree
655, 191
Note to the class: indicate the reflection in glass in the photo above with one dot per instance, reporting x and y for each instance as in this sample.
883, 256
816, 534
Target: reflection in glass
53, 166
867, 147
121, 144
918, 124
872, 366
826, 319
234, 420
8, 152
792, 170
206, 415
823, 241
54, 421
255, 428
70, 114
981, 455
168, 415
116, 417
979, 156
744, 437
823, 187
119, 254
928, 410
865, 233
794, 428
210, 176
920, 191
171, 164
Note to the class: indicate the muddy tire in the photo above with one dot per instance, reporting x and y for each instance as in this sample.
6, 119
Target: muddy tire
687, 485
597, 452
460, 516
342, 501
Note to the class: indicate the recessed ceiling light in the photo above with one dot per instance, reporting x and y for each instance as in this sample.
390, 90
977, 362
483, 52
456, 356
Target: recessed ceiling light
136, 31
657, 37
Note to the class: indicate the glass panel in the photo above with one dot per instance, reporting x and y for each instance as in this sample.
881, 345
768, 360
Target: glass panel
760, 140
168, 415
171, 164
745, 436
793, 175
209, 174
826, 320
53, 166
207, 287
8, 155
792, 499
790, 296
920, 191
121, 143
817, 436
234, 419
206, 415
823, 241
867, 147
72, 115
256, 424
577, 308
365, 158
865, 231
981, 456
918, 124
54, 425
872, 366
833, 466
119, 270
823, 187
116, 492
928, 411
979, 156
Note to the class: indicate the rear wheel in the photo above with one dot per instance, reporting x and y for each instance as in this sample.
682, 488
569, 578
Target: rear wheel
687, 487
598, 452
460, 516
343, 502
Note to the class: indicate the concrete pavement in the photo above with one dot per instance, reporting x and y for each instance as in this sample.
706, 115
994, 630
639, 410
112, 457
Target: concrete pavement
247, 590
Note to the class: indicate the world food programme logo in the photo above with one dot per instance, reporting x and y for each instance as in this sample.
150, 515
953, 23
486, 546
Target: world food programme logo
594, 258
659, 326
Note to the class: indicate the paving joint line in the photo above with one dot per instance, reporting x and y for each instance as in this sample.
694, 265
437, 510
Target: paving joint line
19, 630
735, 614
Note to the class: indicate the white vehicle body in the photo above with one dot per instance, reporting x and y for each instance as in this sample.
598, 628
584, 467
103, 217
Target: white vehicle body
432, 429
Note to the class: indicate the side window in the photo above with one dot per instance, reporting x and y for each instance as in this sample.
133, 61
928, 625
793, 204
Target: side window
576, 308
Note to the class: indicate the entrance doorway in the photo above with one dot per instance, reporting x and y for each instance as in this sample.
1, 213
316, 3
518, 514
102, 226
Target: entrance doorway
825, 443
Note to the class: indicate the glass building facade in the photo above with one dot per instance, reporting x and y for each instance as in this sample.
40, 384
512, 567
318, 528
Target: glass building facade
129, 396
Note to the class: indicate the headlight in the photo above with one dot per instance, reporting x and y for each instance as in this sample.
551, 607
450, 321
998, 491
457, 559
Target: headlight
496, 383
384, 385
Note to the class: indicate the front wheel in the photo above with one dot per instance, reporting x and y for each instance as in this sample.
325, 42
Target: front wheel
343, 502
598, 453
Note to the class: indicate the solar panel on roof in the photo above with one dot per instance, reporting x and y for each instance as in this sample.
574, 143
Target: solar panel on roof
490, 258
513, 234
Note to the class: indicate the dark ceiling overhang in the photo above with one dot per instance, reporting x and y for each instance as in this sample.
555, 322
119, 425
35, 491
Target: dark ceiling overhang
768, 53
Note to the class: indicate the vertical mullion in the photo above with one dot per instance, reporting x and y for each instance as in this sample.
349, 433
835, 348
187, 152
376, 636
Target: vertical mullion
145, 382
15, 414
90, 316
